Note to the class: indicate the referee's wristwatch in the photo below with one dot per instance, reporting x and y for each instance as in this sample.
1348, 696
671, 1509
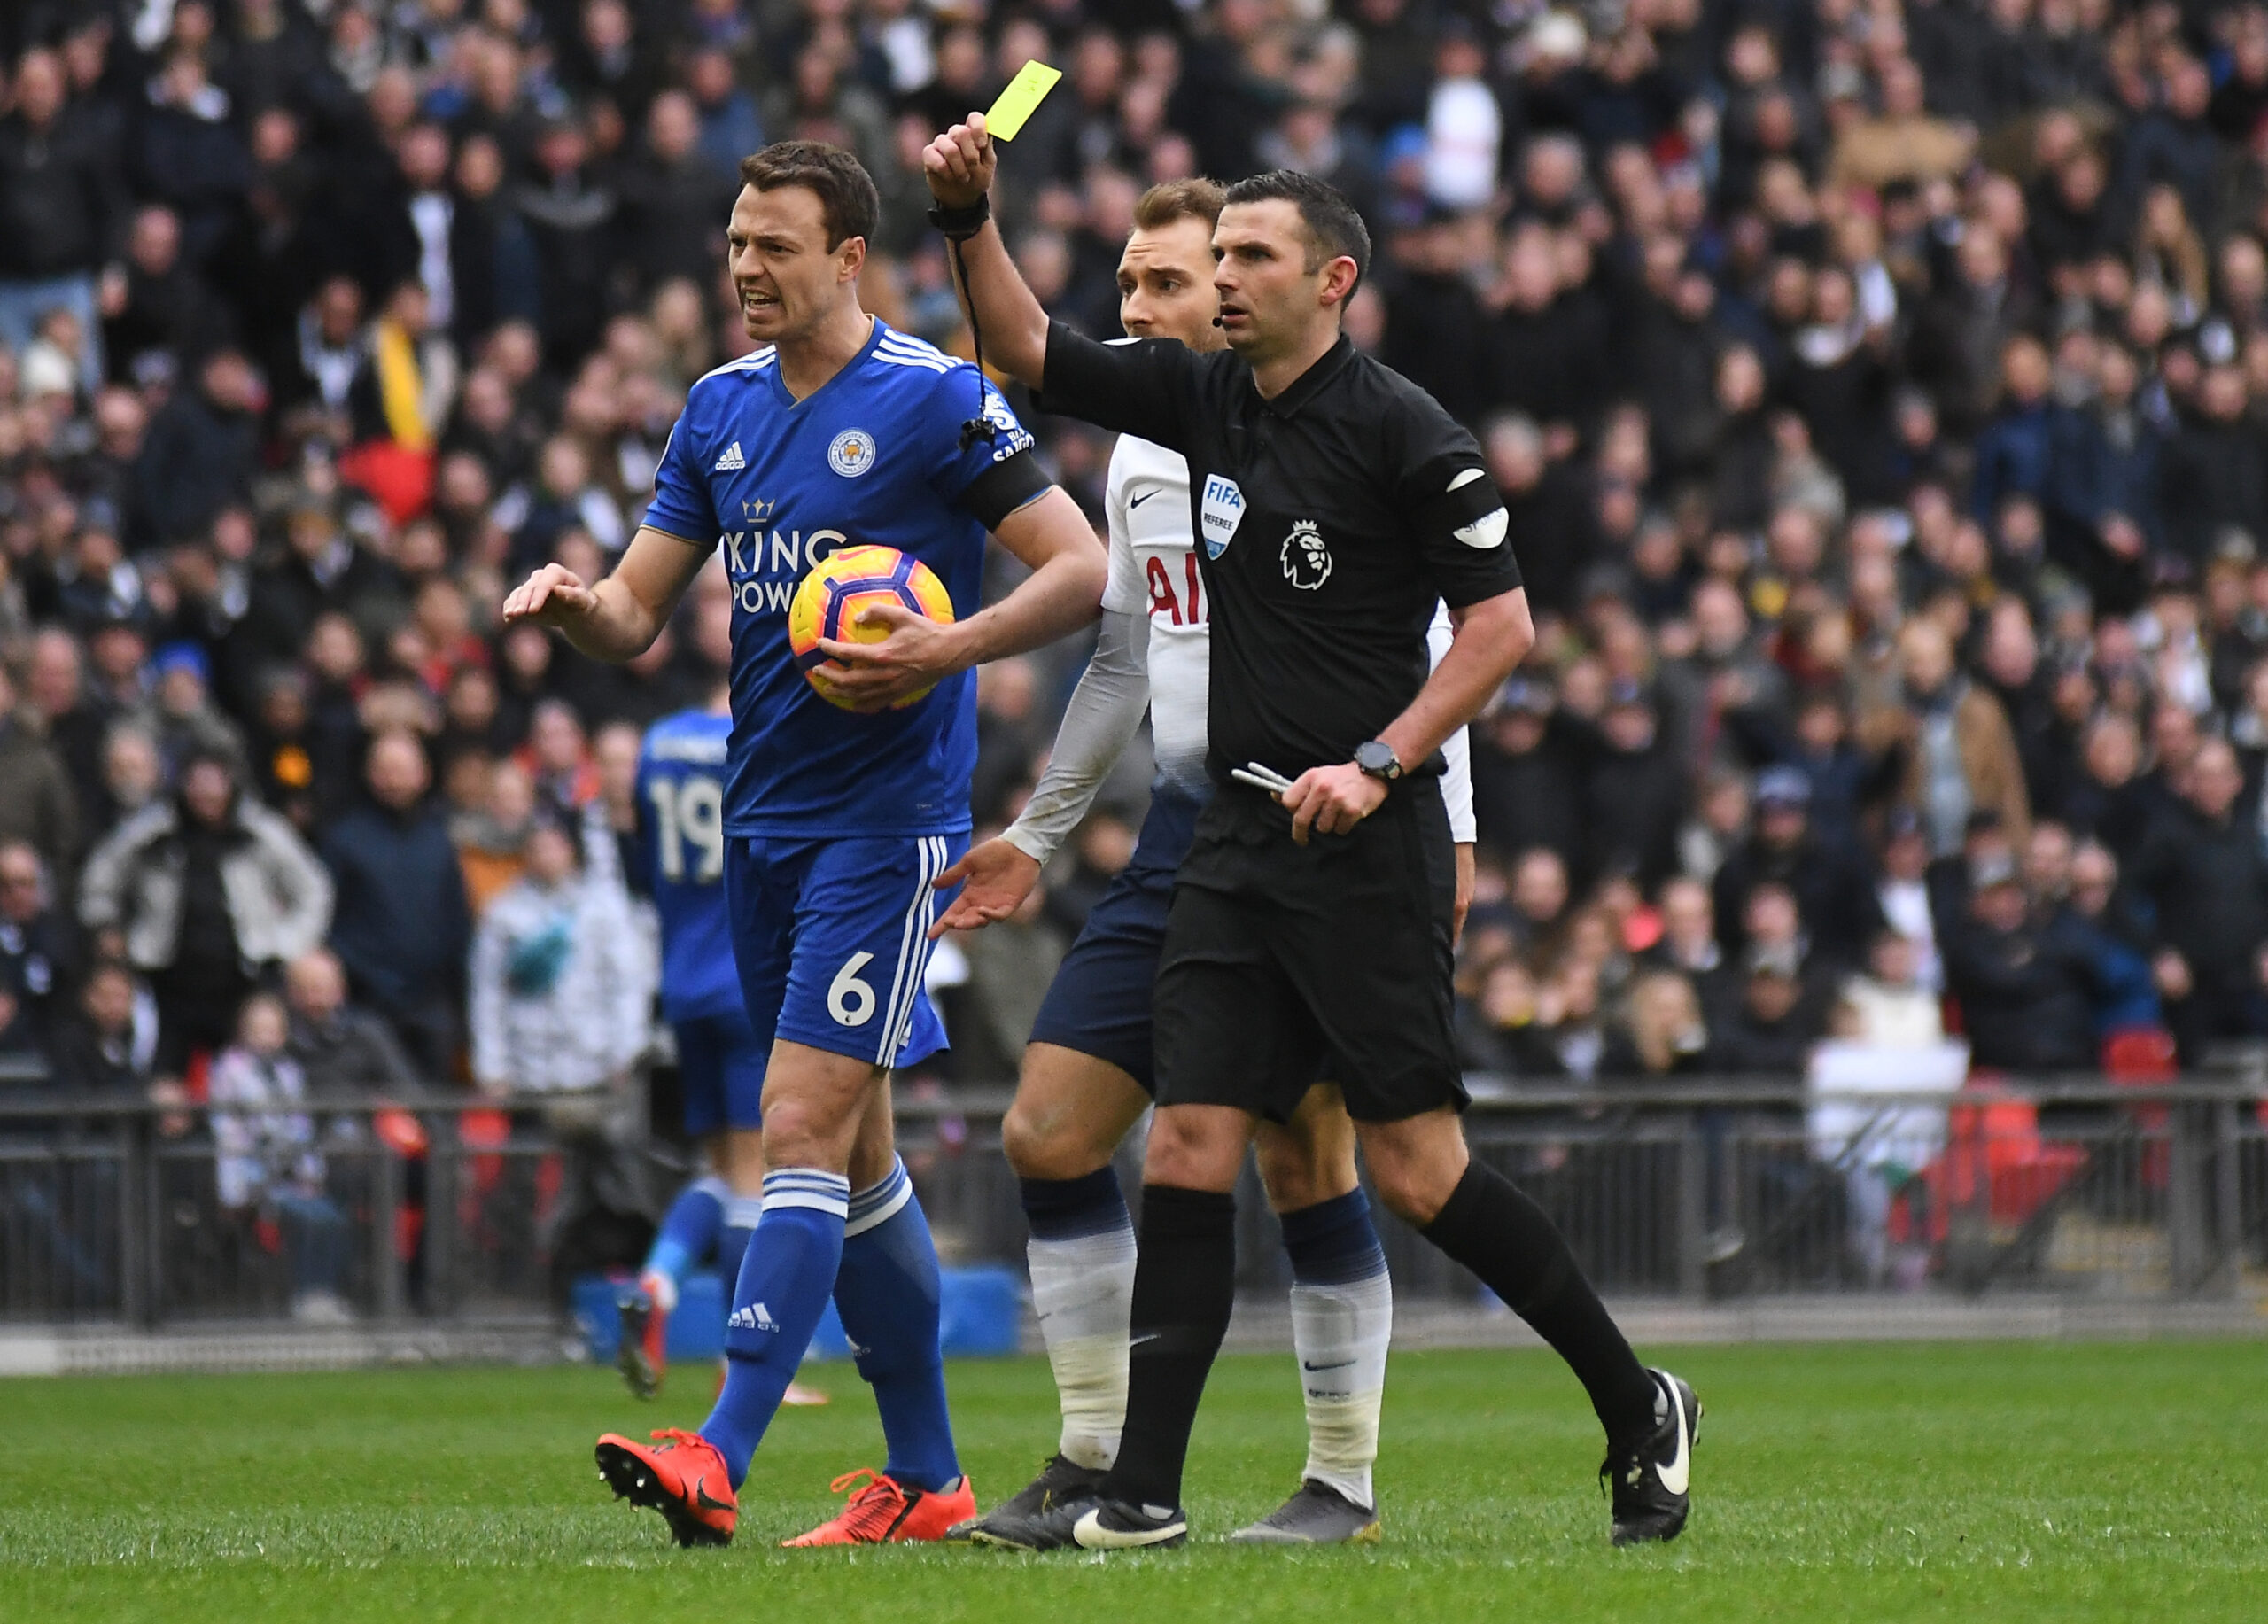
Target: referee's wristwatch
1377, 760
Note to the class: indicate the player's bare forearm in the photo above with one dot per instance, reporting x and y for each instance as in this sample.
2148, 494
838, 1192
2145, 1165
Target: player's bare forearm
1052, 538
959, 166
1491, 638
618, 618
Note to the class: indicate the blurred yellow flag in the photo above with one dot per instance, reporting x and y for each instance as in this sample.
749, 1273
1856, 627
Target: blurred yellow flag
1025, 92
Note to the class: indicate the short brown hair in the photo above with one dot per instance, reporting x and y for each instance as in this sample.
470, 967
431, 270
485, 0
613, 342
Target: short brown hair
1194, 198
847, 203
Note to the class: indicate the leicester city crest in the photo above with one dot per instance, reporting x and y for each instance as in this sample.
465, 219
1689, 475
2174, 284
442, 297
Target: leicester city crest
852, 453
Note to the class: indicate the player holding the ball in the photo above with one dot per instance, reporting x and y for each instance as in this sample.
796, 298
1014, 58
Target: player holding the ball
846, 792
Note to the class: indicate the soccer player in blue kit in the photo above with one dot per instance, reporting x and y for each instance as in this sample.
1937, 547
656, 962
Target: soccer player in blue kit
720, 1060
836, 822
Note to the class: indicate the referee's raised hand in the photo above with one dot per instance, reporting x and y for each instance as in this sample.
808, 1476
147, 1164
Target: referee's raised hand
1331, 800
960, 163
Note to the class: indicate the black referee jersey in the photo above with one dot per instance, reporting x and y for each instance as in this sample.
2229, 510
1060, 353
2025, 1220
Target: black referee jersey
1329, 520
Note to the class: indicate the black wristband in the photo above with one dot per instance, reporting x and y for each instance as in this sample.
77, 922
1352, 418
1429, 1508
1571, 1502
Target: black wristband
961, 224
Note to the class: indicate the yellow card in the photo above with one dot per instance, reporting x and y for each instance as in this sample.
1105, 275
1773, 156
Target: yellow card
1025, 92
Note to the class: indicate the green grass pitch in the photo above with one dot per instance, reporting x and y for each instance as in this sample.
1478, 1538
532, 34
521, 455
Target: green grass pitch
2109, 1481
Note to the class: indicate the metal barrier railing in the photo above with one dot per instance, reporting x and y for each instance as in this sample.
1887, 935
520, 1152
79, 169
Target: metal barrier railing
460, 1207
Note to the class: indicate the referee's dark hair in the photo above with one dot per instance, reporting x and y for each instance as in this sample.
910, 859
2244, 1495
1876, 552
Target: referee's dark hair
1333, 227
848, 202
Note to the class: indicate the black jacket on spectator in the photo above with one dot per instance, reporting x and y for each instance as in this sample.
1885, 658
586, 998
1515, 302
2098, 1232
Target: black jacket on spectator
2209, 882
401, 924
1741, 1043
200, 458
39, 969
1633, 803
571, 225
1833, 897
90, 1064
1555, 365
1551, 532
2025, 996
1432, 326
1530, 797
671, 213
2213, 476
352, 1050
62, 207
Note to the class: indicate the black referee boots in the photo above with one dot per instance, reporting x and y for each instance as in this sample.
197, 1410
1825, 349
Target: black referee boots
1649, 1477
1060, 1483
1087, 1524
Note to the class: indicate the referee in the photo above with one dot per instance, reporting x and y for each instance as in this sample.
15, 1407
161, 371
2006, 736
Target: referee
1335, 502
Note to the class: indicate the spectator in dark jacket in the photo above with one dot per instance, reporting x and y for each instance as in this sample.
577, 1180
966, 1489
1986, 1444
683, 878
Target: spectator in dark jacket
2103, 502
38, 947
337, 1045
37, 805
1771, 1031
1833, 897
203, 448
2013, 452
572, 220
2203, 869
189, 155
1634, 791
104, 1053
62, 210
2174, 144
401, 926
1527, 783
675, 207
2212, 478
2024, 991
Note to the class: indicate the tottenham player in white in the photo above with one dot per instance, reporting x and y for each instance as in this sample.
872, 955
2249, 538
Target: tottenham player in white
1080, 1093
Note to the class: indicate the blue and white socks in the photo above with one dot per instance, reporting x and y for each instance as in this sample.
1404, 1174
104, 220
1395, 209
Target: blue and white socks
741, 1213
1081, 1258
783, 1286
688, 1233
886, 1292
1342, 1319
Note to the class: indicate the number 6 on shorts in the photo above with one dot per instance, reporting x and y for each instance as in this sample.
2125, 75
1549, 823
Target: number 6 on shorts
850, 1000
832, 940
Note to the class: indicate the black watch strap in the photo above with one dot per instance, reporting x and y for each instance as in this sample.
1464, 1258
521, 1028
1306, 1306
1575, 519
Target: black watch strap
961, 224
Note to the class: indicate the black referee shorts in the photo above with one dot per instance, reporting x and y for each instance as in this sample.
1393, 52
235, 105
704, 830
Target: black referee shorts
1277, 955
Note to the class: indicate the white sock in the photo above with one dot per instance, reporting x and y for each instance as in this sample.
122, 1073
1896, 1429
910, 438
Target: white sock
1083, 1288
1339, 1332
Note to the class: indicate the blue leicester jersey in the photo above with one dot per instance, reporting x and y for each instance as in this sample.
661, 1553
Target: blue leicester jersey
681, 847
875, 454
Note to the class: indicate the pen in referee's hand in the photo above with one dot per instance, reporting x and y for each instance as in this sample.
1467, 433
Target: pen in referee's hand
1261, 778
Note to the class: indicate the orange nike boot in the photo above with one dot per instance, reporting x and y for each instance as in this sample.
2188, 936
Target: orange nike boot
885, 1512
681, 1476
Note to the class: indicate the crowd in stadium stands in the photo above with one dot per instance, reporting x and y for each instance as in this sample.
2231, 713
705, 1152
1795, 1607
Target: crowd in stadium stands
1880, 394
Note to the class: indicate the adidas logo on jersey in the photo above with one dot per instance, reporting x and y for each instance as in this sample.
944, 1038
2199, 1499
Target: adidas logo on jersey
732, 459
753, 1317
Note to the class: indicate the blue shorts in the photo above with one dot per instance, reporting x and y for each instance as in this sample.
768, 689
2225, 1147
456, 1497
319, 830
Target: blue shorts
1099, 1002
720, 1070
831, 939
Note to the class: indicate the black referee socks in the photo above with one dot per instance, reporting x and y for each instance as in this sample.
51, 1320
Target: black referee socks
1183, 1287
1491, 1227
